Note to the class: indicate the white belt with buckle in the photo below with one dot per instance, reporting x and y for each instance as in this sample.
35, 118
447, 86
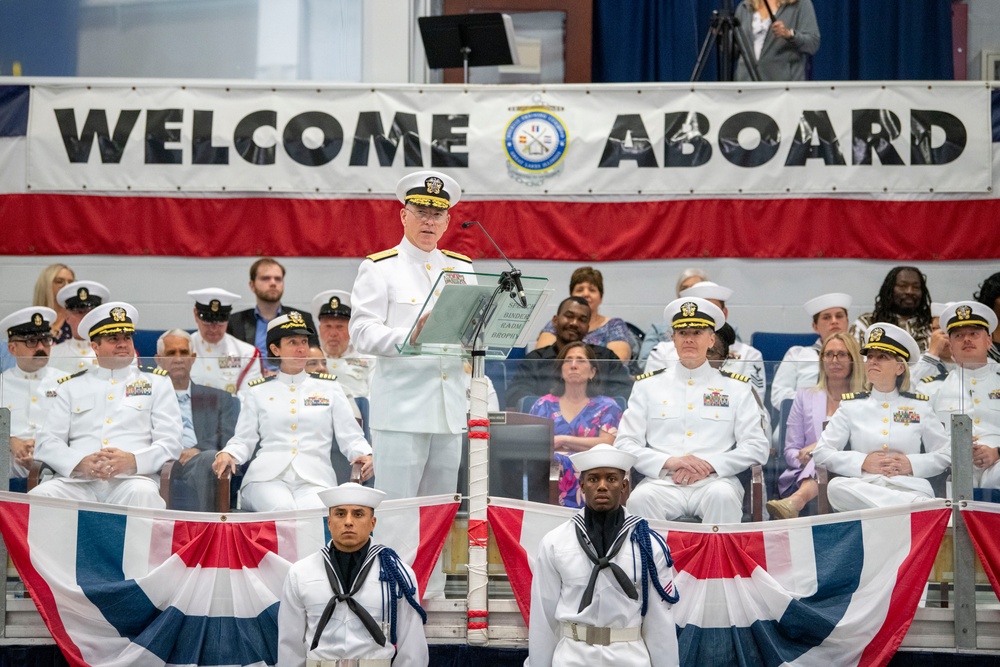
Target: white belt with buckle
350, 662
600, 636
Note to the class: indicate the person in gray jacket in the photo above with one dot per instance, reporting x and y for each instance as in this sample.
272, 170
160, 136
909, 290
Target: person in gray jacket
781, 44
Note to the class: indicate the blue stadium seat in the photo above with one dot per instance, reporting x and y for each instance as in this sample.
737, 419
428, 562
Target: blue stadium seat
772, 346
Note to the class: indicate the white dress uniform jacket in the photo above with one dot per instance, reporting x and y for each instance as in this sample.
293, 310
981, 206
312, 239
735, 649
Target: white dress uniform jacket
424, 394
28, 396
72, 356
129, 409
295, 419
975, 392
229, 365
799, 369
876, 422
743, 359
304, 597
353, 370
703, 412
559, 577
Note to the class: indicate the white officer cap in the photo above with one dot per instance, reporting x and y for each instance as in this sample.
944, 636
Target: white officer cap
706, 289
428, 188
350, 493
693, 313
827, 301
331, 303
108, 318
82, 294
603, 456
937, 308
213, 304
892, 339
966, 314
27, 322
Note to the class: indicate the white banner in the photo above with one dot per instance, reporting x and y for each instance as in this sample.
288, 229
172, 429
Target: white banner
512, 142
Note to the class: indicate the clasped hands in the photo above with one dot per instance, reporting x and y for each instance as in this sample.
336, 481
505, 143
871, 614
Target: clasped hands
105, 464
688, 469
888, 463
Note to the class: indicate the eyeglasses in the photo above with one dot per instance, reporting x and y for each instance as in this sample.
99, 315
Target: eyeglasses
836, 356
428, 214
33, 341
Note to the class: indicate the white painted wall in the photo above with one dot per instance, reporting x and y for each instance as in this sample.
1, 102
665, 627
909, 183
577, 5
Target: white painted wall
769, 293
984, 31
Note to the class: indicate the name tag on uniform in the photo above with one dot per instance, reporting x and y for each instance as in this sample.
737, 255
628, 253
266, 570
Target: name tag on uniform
453, 279
715, 399
906, 416
51, 393
317, 399
230, 362
139, 388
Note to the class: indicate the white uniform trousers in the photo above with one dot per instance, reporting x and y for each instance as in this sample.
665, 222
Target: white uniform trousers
857, 493
714, 500
408, 465
987, 479
135, 491
287, 492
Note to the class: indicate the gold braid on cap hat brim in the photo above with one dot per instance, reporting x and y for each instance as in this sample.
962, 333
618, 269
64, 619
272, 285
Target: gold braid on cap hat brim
887, 347
692, 323
113, 328
427, 200
965, 323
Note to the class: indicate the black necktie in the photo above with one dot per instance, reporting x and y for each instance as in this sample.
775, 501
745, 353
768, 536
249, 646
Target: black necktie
348, 599
601, 562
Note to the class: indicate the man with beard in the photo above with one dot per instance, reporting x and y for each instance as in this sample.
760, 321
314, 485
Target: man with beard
78, 298
576, 620
902, 300
537, 374
267, 282
973, 388
221, 361
113, 427
209, 419
29, 388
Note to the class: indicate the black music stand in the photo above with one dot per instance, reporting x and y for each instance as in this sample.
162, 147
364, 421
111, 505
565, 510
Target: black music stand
468, 40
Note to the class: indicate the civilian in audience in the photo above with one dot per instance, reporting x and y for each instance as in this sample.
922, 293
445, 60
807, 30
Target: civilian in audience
208, 417
267, 282
112, 427
896, 440
536, 374
52, 279
743, 358
29, 388
937, 361
784, 33
78, 298
221, 361
841, 372
692, 427
973, 388
332, 310
799, 368
989, 296
292, 463
612, 333
317, 359
583, 418
661, 331
903, 300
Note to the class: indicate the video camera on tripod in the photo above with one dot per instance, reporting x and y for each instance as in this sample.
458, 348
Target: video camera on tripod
730, 43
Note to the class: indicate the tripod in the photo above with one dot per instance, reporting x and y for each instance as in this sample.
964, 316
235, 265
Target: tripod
724, 34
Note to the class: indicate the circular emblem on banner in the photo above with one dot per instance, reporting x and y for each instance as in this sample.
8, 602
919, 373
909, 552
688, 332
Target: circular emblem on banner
536, 142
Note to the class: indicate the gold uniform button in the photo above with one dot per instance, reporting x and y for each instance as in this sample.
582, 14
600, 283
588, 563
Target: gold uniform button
690, 434
114, 382
107, 421
973, 382
295, 442
292, 388
885, 433
444, 376
690, 406
413, 300
885, 447
294, 426
885, 405
105, 442
663, 414
293, 401
976, 401
34, 399
428, 266
690, 382
208, 368
295, 451
111, 397
885, 420
437, 292
977, 420
293, 411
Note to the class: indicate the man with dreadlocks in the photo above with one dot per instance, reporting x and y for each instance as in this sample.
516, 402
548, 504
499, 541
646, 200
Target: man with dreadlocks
353, 602
602, 584
902, 300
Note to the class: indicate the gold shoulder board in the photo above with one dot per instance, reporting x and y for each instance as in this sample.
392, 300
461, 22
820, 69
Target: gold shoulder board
457, 255
385, 254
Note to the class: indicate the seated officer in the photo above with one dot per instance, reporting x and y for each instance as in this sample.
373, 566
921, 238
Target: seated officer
973, 388
691, 427
222, 361
209, 419
29, 388
78, 298
332, 312
113, 427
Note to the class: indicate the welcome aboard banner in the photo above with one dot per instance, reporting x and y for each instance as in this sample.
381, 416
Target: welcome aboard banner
616, 141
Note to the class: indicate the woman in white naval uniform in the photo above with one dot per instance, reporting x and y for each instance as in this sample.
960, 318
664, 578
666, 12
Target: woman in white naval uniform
896, 440
296, 417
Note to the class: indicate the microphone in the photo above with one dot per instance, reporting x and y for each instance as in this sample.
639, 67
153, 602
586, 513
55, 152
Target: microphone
515, 274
